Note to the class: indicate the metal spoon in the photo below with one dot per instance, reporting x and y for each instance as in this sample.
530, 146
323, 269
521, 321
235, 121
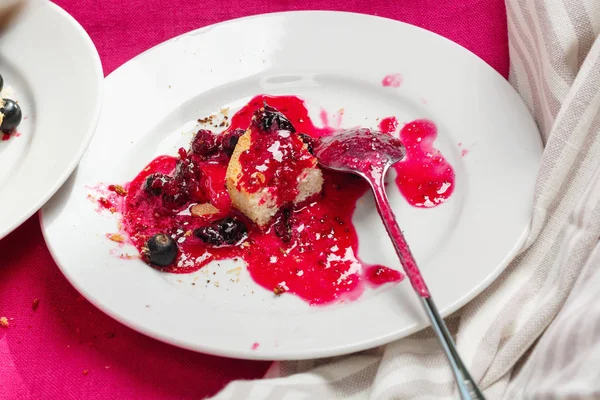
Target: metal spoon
370, 154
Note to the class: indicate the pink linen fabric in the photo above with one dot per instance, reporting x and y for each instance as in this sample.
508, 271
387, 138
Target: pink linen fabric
68, 349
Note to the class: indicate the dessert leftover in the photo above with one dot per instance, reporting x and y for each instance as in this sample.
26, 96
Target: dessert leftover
255, 192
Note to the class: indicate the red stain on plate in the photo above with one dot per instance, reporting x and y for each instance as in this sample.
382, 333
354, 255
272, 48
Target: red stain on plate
393, 80
463, 151
388, 125
255, 346
7, 136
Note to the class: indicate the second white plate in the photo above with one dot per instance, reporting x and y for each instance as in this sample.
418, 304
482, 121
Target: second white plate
54, 72
153, 101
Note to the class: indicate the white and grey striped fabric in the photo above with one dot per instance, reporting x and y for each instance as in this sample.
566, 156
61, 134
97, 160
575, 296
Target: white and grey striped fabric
535, 332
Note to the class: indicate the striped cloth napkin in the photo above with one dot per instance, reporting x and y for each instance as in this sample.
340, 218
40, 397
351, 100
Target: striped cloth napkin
535, 332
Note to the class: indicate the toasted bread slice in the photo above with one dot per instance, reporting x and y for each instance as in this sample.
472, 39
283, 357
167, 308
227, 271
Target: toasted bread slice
264, 201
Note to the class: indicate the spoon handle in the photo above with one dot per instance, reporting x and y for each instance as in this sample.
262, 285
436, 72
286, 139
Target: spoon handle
467, 387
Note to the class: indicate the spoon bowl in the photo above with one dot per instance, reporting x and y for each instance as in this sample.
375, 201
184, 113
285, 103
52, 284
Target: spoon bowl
358, 151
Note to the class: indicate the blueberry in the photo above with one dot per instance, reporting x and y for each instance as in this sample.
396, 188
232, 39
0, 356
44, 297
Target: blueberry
160, 250
12, 116
309, 141
210, 234
270, 120
205, 143
154, 183
226, 231
233, 229
230, 140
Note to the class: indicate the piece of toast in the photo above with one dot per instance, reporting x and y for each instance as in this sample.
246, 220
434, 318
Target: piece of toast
260, 206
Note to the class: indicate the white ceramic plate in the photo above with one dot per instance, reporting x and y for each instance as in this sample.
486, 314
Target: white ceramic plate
53, 70
152, 103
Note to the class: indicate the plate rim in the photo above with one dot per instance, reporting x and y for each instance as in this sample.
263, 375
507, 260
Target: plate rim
344, 348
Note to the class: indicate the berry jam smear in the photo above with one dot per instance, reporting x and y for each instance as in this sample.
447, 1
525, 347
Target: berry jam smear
388, 125
309, 249
425, 178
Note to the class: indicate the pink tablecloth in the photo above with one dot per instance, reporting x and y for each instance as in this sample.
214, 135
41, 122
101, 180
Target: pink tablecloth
68, 349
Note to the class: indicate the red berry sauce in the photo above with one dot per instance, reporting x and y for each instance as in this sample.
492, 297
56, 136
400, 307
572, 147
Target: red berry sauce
7, 136
425, 177
377, 274
316, 259
388, 125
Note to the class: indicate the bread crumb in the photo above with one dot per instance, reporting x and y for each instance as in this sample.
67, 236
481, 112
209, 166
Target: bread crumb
235, 271
118, 189
278, 290
127, 256
116, 237
4, 322
199, 210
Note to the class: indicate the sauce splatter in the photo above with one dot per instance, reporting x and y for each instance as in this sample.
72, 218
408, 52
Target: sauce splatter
388, 125
425, 178
8, 136
392, 80
379, 275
